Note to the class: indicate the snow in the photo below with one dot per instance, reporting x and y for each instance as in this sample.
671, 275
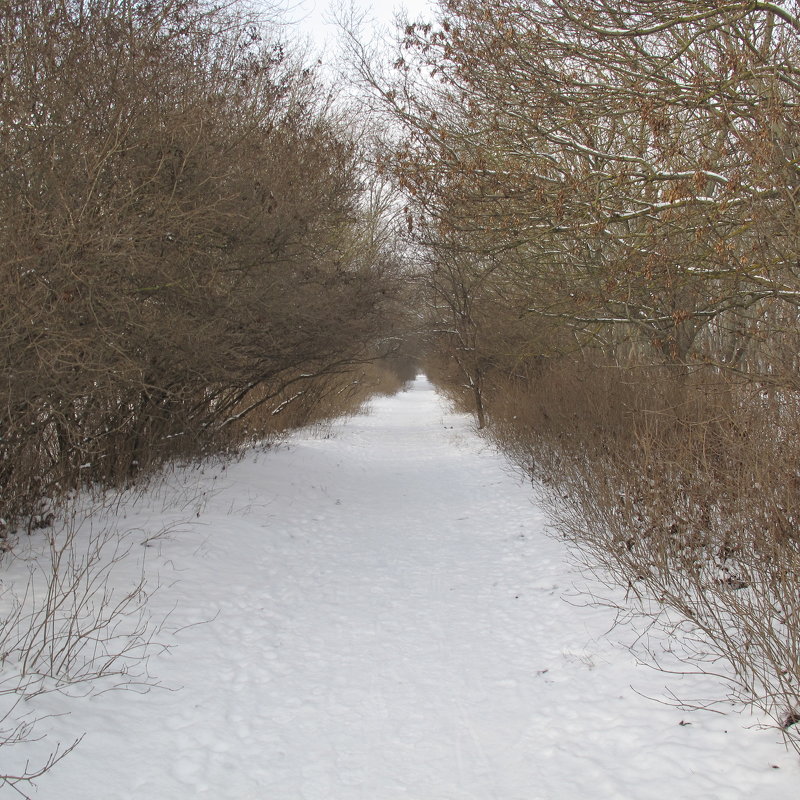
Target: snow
379, 613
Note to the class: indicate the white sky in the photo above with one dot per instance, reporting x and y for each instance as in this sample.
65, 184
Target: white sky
313, 18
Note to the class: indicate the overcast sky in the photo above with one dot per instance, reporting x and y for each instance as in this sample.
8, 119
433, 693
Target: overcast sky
313, 18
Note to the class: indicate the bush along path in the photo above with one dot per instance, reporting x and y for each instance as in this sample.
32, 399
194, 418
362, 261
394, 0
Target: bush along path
376, 611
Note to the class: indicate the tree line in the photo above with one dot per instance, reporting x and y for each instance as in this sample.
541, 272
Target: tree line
187, 258
602, 198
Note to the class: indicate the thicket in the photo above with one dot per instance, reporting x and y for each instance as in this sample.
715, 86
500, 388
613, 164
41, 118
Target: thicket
604, 198
185, 254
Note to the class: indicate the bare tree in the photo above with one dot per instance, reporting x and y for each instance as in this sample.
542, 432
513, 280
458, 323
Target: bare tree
621, 179
181, 228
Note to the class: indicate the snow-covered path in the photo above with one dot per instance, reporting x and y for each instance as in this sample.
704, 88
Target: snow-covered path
386, 619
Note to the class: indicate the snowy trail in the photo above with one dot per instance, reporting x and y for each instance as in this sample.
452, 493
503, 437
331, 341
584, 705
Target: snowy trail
387, 620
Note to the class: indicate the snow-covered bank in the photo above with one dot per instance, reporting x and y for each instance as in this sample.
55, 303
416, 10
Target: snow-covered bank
385, 619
